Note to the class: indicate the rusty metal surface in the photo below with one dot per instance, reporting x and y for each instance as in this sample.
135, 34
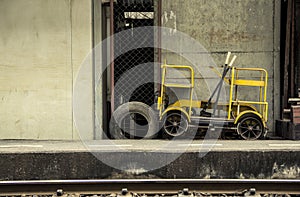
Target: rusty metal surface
129, 187
292, 64
287, 55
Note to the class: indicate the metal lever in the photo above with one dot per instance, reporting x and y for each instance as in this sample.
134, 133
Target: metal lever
233, 59
227, 58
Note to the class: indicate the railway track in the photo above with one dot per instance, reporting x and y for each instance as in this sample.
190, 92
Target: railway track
150, 188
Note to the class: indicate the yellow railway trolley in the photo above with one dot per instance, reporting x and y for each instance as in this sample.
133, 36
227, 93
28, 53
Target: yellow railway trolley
248, 117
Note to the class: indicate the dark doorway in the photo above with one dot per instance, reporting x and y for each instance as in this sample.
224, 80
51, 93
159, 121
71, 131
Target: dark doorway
290, 50
129, 14
297, 41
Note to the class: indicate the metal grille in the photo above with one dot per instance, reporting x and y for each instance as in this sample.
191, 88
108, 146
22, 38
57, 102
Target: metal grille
130, 14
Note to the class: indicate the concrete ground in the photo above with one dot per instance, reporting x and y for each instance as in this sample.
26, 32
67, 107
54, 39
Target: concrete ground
33, 146
105, 159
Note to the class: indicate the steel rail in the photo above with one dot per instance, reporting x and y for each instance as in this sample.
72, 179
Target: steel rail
278, 186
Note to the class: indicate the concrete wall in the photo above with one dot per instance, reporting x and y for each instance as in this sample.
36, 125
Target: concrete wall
267, 164
42, 45
248, 28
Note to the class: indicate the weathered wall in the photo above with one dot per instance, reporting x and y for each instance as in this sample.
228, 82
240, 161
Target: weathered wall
42, 46
83, 165
248, 28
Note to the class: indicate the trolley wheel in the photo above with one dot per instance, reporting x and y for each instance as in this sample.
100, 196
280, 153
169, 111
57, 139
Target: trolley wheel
250, 127
175, 124
133, 120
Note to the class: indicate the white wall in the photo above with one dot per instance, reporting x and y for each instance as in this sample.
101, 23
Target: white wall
42, 45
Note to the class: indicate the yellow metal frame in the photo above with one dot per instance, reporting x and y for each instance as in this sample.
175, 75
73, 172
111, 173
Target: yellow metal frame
164, 85
174, 108
240, 107
261, 83
249, 112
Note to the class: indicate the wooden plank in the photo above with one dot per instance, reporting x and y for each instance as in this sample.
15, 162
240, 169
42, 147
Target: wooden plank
295, 114
286, 115
294, 100
286, 110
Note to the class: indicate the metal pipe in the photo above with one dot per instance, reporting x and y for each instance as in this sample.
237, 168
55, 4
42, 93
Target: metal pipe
220, 83
219, 89
159, 13
93, 65
112, 65
226, 69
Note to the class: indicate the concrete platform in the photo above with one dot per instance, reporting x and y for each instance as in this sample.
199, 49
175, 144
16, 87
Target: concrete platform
33, 160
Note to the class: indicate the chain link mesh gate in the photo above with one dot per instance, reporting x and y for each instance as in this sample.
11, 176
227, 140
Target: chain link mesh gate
129, 14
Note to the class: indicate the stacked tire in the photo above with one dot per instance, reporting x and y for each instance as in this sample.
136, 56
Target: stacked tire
137, 115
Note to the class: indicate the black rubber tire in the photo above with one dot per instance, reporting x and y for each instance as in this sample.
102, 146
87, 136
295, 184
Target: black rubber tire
250, 127
180, 127
133, 108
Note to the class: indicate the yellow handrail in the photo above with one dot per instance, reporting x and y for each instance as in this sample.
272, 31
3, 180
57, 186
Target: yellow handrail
261, 83
176, 85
